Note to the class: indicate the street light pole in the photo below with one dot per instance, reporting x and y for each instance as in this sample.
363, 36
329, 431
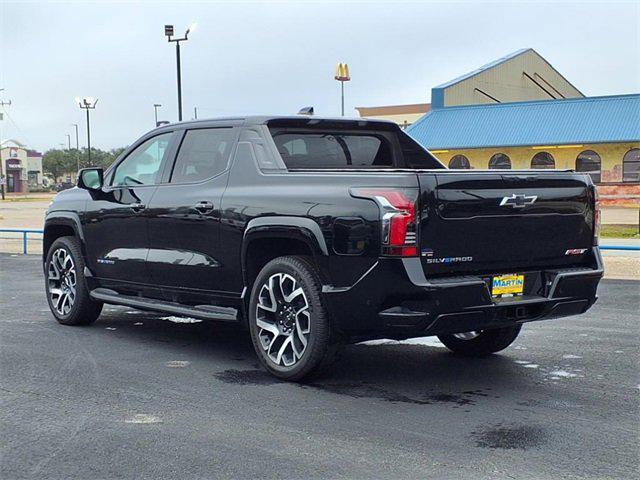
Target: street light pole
77, 142
77, 146
68, 141
155, 111
87, 104
178, 69
342, 75
88, 140
168, 31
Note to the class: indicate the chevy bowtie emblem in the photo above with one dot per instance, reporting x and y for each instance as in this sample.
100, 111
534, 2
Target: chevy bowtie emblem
518, 200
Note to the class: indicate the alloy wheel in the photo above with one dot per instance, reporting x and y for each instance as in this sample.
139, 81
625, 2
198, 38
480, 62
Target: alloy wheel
61, 281
283, 319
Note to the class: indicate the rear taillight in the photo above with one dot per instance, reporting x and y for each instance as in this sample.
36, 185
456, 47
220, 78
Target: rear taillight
596, 216
397, 218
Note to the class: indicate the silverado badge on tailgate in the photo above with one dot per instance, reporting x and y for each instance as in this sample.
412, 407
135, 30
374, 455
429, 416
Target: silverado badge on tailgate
507, 284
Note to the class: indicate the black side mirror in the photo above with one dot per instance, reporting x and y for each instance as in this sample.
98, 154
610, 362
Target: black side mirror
91, 178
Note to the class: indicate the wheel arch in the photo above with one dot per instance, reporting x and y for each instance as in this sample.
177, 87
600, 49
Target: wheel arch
266, 238
61, 224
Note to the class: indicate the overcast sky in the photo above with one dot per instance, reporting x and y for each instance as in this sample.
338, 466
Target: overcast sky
276, 57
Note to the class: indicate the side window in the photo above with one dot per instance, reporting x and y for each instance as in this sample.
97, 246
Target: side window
204, 153
333, 150
142, 166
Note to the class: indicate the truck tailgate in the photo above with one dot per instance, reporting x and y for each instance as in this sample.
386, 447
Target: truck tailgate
486, 222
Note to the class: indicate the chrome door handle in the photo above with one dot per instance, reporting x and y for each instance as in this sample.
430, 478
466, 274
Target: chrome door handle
137, 207
204, 207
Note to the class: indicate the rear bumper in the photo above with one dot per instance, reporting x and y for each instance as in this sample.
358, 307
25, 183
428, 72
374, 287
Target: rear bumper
395, 300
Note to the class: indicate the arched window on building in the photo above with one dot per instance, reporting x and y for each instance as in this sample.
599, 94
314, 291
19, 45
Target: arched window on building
589, 162
459, 161
631, 166
543, 160
500, 161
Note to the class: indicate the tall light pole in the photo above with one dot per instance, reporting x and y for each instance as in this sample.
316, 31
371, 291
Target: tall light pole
168, 31
342, 75
77, 146
87, 103
156, 106
68, 141
77, 141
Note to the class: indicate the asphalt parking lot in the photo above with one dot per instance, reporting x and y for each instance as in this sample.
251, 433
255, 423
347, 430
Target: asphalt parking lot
138, 395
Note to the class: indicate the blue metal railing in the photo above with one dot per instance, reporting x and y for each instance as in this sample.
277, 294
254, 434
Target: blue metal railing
25, 235
26, 231
635, 248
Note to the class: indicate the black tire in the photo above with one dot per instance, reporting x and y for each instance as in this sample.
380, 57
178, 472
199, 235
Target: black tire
82, 310
486, 343
321, 345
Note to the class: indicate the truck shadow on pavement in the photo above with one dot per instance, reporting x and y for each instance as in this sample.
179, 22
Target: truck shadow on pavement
397, 373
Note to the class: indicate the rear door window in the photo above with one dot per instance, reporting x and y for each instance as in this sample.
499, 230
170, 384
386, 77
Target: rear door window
204, 153
334, 150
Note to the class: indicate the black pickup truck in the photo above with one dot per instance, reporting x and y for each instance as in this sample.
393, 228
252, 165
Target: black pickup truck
313, 232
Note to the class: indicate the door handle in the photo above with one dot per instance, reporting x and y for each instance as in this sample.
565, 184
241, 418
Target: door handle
137, 207
203, 207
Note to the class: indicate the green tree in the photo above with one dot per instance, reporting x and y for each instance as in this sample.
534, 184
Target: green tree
100, 158
60, 163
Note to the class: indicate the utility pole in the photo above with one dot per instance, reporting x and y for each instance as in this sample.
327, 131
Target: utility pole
3, 177
195, 113
68, 142
168, 31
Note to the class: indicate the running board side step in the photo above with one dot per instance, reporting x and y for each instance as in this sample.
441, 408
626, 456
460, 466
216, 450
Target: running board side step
203, 312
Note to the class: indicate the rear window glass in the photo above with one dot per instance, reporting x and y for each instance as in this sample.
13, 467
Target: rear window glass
333, 150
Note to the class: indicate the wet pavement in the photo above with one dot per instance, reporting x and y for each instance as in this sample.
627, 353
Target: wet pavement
138, 395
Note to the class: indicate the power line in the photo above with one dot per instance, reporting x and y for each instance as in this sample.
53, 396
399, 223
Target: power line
26, 139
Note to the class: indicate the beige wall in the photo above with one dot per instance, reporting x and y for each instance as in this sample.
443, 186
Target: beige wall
400, 119
611, 155
507, 83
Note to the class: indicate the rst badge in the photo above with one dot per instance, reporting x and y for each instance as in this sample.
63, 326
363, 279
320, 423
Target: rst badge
575, 251
518, 200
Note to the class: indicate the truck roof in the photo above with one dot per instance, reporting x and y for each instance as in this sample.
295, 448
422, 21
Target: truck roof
290, 120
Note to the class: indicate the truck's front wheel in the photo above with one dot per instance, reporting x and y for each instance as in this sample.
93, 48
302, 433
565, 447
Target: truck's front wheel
481, 343
290, 327
67, 291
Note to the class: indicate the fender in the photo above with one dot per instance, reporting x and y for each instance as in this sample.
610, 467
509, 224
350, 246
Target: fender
66, 218
299, 228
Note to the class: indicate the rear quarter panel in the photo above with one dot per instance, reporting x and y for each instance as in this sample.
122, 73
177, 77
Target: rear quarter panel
321, 196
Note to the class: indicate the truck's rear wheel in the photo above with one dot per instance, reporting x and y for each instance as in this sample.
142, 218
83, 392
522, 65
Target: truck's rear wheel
65, 285
290, 327
481, 343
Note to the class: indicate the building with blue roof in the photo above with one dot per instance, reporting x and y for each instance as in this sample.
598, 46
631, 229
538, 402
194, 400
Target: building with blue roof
520, 112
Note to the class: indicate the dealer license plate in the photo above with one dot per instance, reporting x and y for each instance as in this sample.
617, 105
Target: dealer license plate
507, 285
